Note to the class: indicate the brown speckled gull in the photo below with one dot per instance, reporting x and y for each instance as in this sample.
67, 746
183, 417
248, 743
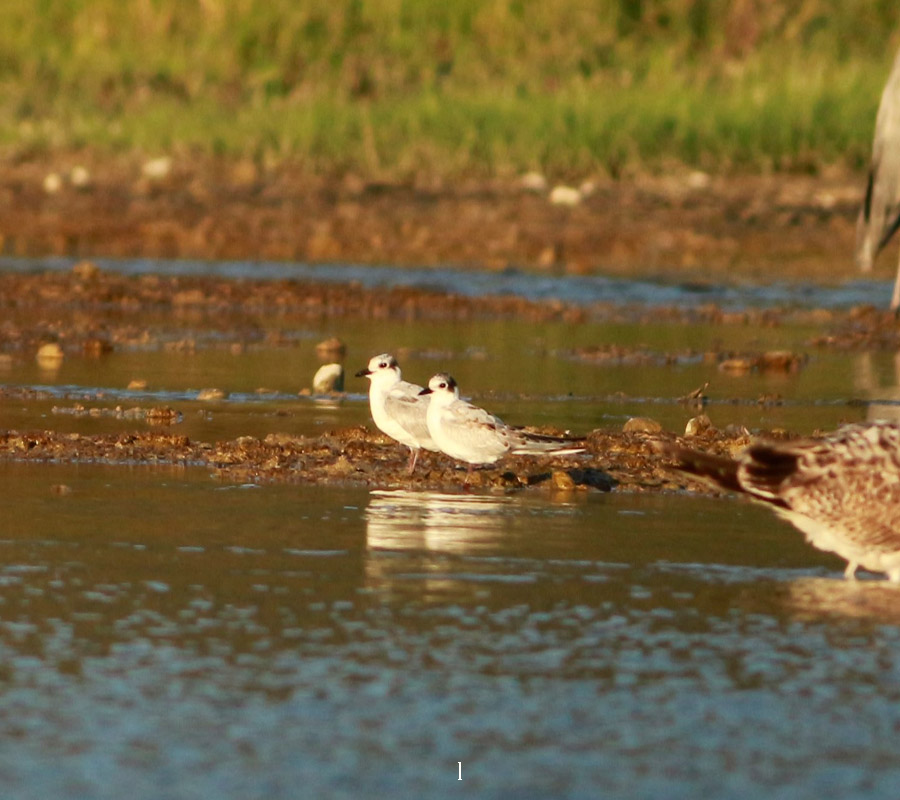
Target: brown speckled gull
841, 491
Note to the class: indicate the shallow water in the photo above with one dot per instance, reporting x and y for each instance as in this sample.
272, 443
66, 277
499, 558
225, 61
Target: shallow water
164, 635
528, 373
530, 285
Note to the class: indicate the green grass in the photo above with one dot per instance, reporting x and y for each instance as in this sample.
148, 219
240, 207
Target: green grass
395, 87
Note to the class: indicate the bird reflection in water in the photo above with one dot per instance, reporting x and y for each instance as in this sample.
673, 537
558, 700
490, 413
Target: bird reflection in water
450, 523
810, 598
436, 545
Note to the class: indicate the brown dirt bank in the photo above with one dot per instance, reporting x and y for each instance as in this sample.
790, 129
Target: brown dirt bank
359, 457
684, 226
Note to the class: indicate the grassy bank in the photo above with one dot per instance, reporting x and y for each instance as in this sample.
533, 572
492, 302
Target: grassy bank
394, 87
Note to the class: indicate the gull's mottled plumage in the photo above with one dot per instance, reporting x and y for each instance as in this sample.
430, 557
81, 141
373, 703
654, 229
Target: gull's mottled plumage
471, 434
841, 491
397, 406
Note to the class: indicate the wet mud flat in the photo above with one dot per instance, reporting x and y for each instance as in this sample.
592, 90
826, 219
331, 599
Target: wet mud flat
90, 311
359, 457
87, 313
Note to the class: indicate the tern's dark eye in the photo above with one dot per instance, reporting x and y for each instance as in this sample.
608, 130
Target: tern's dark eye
382, 365
442, 385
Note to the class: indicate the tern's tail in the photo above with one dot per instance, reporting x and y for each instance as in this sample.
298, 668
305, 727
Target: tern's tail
535, 444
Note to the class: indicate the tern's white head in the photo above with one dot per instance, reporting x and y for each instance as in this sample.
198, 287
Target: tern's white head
382, 370
443, 388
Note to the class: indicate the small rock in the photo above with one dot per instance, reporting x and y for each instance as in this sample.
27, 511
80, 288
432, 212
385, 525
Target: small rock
698, 180
157, 169
50, 354
332, 349
85, 270
781, 361
137, 385
80, 177
561, 481
52, 183
163, 416
328, 378
736, 366
697, 425
533, 182
642, 425
565, 196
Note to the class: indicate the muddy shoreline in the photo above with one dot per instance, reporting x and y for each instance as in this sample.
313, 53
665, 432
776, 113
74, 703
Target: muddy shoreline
362, 457
688, 227
682, 226
89, 312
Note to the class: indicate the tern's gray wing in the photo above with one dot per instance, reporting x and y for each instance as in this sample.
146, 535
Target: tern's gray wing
475, 431
409, 410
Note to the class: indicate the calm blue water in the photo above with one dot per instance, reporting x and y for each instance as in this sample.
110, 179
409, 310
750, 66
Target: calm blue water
164, 635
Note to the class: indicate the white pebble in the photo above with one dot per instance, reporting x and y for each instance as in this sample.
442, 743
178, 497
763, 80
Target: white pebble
565, 196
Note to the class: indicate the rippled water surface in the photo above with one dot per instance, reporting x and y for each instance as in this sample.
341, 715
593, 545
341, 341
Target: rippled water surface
165, 635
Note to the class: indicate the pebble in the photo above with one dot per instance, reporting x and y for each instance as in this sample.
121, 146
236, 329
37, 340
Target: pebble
533, 182
50, 354
85, 270
80, 177
781, 361
332, 349
329, 378
736, 366
52, 183
157, 169
565, 196
641, 425
697, 425
163, 415
561, 481
698, 180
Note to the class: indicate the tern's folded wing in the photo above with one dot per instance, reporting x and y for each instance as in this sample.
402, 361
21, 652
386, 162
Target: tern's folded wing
410, 411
